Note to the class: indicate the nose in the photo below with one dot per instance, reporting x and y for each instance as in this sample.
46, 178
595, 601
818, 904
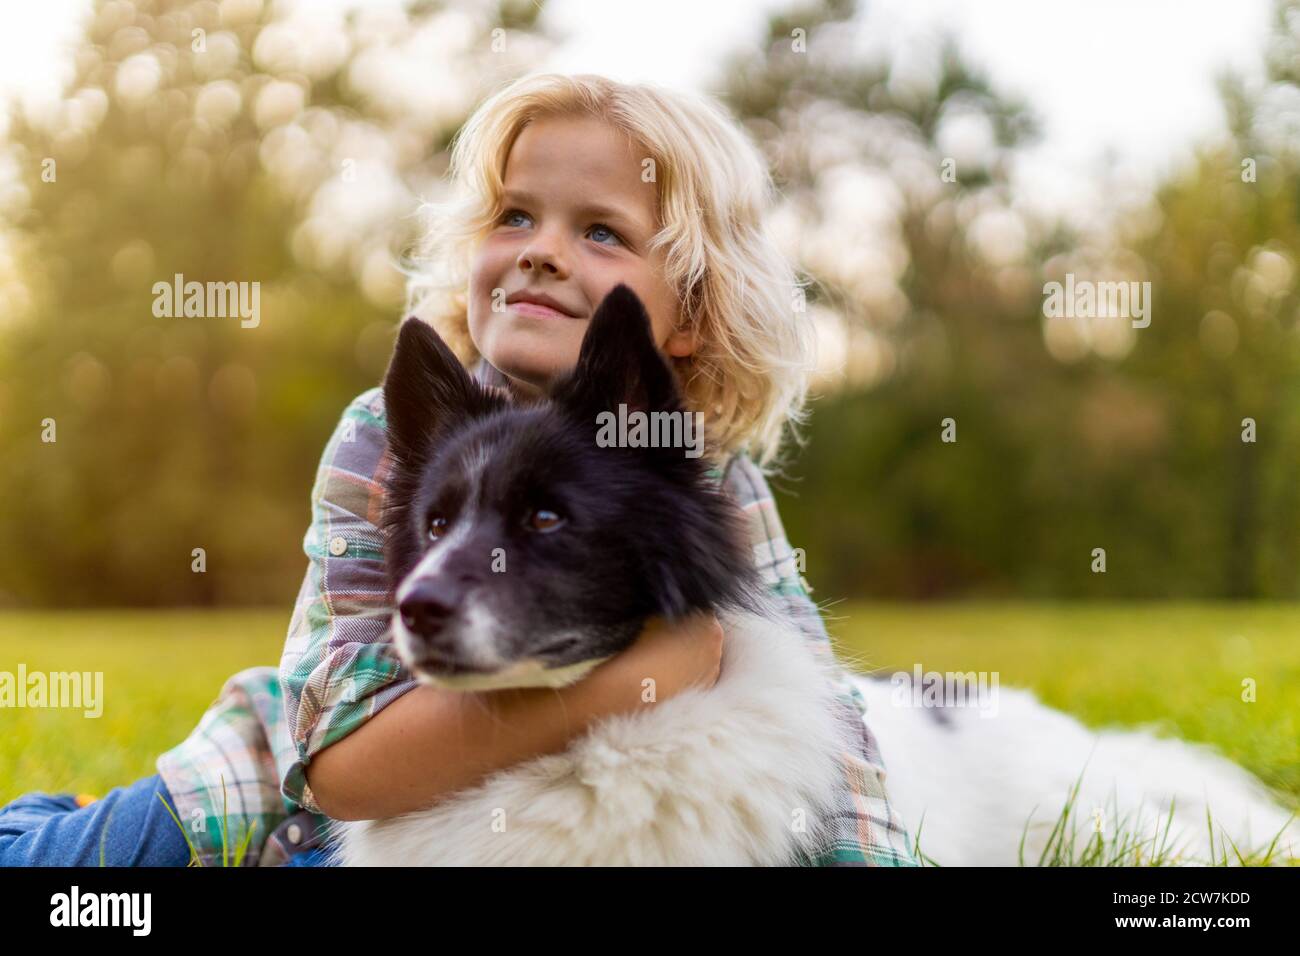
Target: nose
542, 255
425, 612
427, 607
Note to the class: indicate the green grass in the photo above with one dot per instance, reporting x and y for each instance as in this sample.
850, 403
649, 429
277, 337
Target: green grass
161, 671
1176, 666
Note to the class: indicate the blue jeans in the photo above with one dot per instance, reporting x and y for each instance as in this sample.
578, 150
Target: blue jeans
42, 829
134, 829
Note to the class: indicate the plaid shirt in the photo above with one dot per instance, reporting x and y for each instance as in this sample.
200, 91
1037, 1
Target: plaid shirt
338, 669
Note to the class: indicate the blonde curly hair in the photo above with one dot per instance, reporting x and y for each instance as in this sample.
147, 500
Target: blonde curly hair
750, 370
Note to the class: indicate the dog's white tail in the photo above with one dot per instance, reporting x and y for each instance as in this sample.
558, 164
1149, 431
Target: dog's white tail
978, 779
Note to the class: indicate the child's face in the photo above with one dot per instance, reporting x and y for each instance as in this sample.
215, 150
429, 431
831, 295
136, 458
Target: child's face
551, 241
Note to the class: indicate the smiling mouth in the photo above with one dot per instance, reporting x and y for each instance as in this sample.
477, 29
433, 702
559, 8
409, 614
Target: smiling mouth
537, 311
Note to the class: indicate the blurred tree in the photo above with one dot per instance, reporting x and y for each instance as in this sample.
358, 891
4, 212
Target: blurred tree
238, 142
1224, 265
1071, 435
230, 142
894, 166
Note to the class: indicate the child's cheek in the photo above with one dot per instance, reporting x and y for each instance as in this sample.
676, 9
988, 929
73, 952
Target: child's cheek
487, 282
486, 273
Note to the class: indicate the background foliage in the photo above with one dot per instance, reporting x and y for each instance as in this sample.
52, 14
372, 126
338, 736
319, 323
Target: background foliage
293, 153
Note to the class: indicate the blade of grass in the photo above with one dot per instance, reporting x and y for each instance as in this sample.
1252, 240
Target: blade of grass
195, 859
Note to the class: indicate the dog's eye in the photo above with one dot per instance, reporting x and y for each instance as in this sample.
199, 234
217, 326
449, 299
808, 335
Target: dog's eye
542, 519
437, 526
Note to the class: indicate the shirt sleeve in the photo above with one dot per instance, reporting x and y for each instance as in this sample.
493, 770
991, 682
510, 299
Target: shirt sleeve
338, 668
866, 830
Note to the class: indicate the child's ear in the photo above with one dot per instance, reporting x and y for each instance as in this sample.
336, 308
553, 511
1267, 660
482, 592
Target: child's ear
619, 363
426, 388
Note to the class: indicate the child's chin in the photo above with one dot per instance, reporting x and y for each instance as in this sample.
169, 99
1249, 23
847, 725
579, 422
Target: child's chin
528, 381
536, 358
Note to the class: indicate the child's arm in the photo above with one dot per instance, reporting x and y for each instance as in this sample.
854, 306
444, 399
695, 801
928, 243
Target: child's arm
463, 737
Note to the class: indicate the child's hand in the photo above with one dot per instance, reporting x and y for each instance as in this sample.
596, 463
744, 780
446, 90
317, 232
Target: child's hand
666, 659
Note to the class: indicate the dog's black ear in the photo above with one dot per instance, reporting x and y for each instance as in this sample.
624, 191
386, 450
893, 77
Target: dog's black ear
426, 389
619, 363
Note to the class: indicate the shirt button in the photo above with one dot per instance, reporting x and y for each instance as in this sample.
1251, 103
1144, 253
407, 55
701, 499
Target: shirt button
338, 546
294, 833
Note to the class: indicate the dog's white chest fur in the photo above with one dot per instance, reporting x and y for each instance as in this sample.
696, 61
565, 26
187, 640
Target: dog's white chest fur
741, 774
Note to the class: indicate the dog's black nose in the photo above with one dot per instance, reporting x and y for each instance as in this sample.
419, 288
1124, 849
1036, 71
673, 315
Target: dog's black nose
425, 610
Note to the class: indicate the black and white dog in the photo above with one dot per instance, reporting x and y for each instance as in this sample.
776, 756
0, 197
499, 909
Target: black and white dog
522, 553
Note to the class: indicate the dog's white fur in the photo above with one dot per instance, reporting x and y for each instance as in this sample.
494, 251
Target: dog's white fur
742, 773
978, 781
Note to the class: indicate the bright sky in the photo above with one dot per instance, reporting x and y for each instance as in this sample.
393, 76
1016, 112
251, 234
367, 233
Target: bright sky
1134, 80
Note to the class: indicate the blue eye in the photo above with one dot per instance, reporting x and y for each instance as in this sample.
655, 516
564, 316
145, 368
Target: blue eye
599, 232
